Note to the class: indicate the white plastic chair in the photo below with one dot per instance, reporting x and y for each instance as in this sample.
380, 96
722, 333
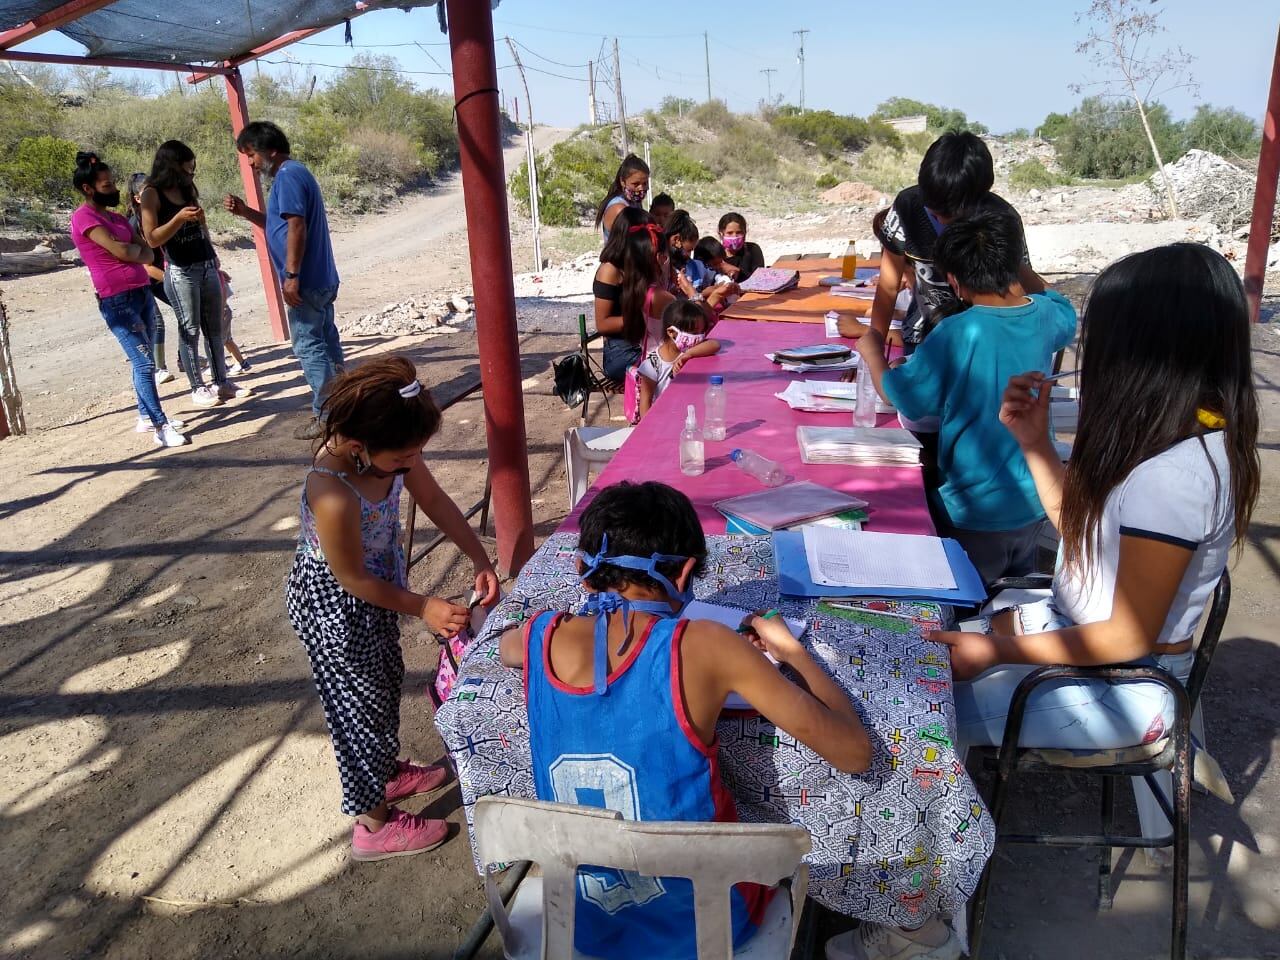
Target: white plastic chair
585, 447
559, 837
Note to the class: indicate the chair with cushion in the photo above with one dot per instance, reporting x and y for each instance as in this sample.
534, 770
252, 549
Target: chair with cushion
1162, 771
538, 921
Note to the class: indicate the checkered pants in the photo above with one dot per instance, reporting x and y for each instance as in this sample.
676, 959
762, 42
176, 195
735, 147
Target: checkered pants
354, 648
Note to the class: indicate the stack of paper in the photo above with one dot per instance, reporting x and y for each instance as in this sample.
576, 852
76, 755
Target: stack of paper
858, 446
855, 291
825, 396
788, 505
802, 367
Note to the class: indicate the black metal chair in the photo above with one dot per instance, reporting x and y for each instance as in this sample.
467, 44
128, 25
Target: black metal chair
1175, 757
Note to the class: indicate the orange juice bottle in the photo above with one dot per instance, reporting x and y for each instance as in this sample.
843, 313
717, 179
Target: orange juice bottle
849, 267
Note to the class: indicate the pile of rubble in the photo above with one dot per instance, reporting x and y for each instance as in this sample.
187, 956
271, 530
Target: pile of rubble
413, 316
1008, 153
854, 193
1207, 187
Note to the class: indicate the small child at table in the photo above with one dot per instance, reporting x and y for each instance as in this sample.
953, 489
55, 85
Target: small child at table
623, 702
987, 499
685, 325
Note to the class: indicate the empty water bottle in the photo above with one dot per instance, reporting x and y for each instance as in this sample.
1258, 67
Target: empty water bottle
864, 410
692, 462
713, 405
762, 468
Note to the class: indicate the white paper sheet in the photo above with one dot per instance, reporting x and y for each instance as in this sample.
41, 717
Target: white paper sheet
847, 558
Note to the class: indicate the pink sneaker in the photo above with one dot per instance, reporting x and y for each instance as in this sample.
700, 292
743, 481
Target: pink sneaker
401, 836
411, 780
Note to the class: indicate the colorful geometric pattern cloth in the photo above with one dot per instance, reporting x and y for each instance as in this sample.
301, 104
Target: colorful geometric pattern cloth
902, 842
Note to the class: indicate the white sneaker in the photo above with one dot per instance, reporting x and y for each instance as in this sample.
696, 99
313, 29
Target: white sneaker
240, 367
877, 941
163, 375
232, 391
204, 397
145, 425
167, 436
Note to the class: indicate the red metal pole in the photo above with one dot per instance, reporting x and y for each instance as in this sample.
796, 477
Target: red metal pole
1264, 196
123, 64
475, 91
52, 20
253, 196
270, 46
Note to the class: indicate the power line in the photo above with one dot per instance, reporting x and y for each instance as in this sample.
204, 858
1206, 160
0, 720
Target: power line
527, 49
353, 66
594, 33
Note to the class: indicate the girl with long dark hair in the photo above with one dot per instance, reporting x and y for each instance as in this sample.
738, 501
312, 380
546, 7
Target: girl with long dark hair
1160, 485
115, 254
172, 218
155, 271
630, 184
628, 289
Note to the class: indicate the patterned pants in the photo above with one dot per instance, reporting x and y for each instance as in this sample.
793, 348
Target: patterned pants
354, 648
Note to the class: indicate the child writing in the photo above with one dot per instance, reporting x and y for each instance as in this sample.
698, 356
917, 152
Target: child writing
626, 696
1161, 483
685, 325
690, 277
987, 499
347, 590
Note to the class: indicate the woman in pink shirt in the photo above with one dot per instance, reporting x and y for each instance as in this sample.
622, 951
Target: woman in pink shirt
114, 253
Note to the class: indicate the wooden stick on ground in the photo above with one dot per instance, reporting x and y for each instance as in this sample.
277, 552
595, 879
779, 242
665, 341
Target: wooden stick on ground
11, 418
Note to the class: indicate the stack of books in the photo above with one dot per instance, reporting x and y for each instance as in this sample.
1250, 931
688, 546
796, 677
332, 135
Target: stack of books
790, 507
858, 446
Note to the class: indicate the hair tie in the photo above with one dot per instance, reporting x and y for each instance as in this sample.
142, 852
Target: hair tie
655, 233
1209, 419
411, 389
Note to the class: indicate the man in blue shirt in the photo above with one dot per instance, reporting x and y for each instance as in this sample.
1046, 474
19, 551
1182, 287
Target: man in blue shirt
987, 500
298, 240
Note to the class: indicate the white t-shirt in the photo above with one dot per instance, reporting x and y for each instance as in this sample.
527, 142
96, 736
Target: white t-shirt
1181, 496
654, 368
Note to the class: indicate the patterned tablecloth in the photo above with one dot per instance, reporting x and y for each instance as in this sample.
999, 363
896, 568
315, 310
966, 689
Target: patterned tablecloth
908, 838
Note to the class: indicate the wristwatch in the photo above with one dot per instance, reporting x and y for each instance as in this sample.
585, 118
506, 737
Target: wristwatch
289, 275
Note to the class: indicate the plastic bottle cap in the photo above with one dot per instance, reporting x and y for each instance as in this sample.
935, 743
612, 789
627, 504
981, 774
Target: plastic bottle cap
717, 380
735, 455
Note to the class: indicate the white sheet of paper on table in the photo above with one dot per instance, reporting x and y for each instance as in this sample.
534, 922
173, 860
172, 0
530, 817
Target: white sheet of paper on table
732, 618
857, 558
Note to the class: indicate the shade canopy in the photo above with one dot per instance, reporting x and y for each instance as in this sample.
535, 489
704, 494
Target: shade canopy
190, 31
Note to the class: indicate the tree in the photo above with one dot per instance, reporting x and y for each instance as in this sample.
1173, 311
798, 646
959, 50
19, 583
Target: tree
1223, 130
1053, 126
1105, 138
1119, 43
938, 119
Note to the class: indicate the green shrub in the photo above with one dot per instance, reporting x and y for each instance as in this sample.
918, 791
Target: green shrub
572, 179
1034, 175
714, 115
1223, 130
1054, 126
826, 181
672, 165
888, 169
42, 168
1105, 140
938, 119
676, 106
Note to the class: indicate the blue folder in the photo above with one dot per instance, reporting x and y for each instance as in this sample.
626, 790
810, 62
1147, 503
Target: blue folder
794, 579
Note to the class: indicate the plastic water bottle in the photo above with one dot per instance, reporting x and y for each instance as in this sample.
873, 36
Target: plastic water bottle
864, 409
713, 410
692, 460
762, 468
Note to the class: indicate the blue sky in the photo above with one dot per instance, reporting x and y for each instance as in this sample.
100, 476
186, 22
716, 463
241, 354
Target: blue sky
1004, 62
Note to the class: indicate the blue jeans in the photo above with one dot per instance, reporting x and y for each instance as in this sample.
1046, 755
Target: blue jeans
619, 353
131, 317
195, 293
315, 341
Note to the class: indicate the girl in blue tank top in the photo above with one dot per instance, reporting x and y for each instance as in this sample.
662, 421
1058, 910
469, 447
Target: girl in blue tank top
623, 700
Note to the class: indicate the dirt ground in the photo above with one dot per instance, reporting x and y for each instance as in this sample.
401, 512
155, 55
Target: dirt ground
168, 788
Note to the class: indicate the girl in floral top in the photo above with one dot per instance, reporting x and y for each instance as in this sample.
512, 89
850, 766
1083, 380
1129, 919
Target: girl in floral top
347, 590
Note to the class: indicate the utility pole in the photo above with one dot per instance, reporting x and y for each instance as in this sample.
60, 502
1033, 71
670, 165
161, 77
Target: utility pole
622, 104
591, 93
768, 80
706, 49
532, 155
800, 34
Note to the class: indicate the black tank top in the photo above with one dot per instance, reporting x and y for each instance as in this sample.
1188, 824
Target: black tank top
189, 245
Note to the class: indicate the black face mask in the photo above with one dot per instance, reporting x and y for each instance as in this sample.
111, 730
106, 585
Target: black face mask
366, 468
111, 199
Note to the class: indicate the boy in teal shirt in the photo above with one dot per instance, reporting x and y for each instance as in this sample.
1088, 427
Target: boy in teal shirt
987, 500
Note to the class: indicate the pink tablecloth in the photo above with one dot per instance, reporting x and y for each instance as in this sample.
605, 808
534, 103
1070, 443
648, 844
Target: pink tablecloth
759, 421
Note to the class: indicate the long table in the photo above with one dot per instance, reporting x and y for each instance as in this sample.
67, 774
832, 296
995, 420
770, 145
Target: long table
756, 420
807, 302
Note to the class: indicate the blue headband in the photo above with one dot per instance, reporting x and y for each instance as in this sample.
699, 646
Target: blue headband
600, 605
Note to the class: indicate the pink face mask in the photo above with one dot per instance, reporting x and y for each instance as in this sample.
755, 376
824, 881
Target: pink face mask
734, 242
686, 341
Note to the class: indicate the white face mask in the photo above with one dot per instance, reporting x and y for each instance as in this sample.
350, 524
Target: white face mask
685, 341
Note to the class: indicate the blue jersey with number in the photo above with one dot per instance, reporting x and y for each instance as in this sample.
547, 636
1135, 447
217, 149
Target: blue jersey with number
632, 750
